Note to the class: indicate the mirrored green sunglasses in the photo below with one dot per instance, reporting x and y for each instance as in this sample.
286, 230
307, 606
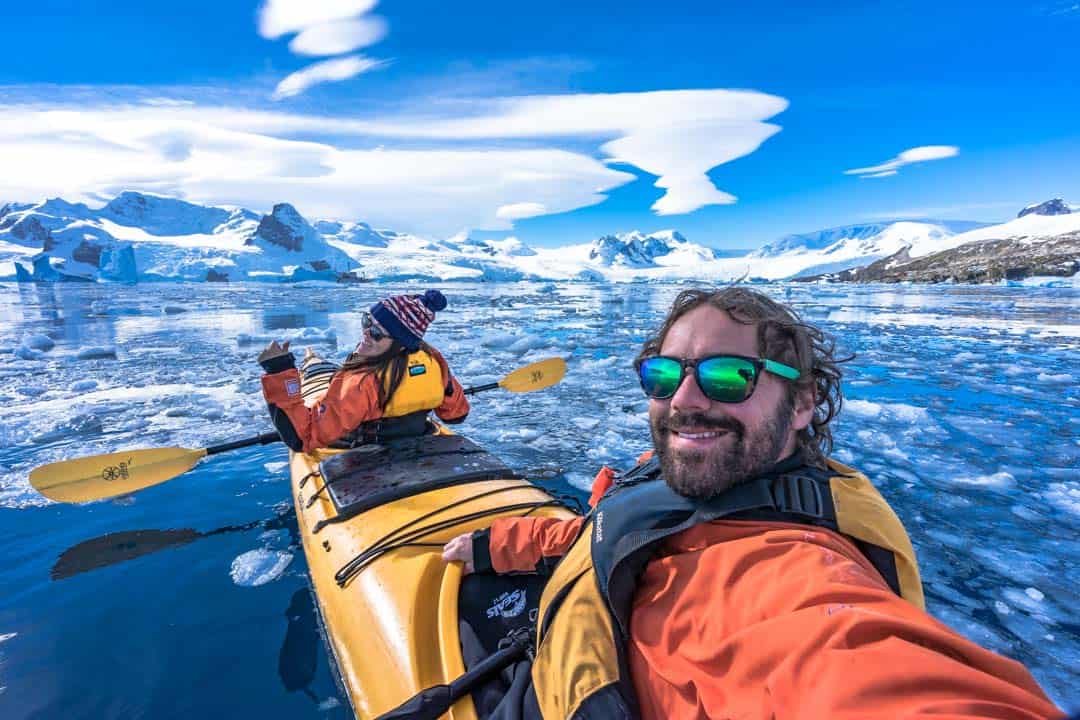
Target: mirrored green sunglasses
722, 378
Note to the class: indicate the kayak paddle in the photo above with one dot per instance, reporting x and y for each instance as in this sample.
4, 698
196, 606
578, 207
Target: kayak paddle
104, 476
119, 473
537, 376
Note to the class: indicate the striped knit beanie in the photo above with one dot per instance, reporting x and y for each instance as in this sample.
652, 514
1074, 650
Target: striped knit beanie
406, 317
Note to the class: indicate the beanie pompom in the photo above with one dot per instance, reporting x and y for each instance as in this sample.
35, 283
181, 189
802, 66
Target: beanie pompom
434, 300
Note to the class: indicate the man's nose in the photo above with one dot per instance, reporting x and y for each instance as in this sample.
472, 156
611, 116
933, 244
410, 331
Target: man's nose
689, 396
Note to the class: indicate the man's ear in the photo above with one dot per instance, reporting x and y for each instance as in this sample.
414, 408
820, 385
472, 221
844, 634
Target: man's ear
802, 411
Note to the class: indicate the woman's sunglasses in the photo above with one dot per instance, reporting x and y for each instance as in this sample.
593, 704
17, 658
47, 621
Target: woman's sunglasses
372, 328
722, 378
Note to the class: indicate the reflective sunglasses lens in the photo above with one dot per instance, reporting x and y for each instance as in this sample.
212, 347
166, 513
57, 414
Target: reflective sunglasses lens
660, 377
726, 379
365, 321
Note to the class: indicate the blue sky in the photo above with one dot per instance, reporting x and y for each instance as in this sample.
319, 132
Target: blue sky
430, 134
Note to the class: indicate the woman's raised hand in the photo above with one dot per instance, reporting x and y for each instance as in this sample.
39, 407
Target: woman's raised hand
276, 357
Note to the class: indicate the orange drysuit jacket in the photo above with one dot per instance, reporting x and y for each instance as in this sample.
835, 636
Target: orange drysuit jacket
770, 620
351, 399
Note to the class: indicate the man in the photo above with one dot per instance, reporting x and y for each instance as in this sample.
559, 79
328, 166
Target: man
740, 573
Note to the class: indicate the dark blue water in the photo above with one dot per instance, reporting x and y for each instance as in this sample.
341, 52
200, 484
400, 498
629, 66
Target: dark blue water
963, 408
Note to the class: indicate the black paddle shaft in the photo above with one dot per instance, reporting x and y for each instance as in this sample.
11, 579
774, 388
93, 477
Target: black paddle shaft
264, 439
432, 703
479, 388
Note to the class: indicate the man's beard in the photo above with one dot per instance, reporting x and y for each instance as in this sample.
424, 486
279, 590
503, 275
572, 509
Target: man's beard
737, 457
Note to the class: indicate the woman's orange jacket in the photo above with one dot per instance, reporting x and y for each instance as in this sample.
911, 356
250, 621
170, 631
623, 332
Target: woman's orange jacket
774, 621
351, 399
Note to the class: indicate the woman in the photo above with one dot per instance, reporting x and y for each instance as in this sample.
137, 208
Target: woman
385, 388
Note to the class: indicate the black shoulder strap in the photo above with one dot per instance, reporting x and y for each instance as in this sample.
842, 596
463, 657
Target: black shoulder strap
648, 470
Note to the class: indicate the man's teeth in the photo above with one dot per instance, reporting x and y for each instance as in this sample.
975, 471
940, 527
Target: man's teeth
697, 436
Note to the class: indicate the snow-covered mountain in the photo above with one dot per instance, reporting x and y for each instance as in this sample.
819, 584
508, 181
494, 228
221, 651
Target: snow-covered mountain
1057, 206
140, 237
637, 250
1043, 241
143, 237
851, 246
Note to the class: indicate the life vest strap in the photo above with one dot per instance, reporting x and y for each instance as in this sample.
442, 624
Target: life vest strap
382, 429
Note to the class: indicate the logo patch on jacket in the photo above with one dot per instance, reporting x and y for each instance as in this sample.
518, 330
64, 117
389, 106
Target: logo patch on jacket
292, 387
415, 370
508, 605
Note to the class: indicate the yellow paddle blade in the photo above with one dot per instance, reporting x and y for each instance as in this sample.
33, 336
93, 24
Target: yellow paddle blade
118, 473
537, 376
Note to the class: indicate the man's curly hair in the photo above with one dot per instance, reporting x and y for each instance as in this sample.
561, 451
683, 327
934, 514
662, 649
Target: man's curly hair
782, 336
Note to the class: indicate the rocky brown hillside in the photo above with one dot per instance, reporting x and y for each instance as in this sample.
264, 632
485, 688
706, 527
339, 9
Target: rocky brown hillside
985, 261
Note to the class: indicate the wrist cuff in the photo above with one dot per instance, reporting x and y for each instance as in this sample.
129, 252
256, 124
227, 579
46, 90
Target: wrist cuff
279, 363
481, 551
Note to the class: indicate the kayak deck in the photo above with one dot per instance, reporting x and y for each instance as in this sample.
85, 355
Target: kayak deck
388, 601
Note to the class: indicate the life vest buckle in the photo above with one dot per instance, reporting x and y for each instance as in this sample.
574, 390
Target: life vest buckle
798, 495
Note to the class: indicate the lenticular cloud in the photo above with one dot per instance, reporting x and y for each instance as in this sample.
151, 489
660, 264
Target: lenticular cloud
913, 155
462, 174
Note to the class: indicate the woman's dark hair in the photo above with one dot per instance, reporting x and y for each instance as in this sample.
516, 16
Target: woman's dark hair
388, 367
781, 336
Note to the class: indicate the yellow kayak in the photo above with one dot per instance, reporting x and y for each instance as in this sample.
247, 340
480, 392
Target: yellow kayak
373, 521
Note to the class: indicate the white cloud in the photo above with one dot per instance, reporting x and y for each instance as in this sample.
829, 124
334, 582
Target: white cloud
84, 155
279, 17
334, 38
461, 177
325, 27
520, 211
678, 135
323, 72
913, 155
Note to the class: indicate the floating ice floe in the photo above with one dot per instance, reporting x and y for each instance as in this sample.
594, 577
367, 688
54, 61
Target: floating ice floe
83, 386
519, 434
173, 309
1066, 495
1031, 602
999, 480
844, 455
862, 408
79, 425
258, 567
39, 341
25, 353
498, 340
526, 343
580, 481
585, 423
97, 352
293, 335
